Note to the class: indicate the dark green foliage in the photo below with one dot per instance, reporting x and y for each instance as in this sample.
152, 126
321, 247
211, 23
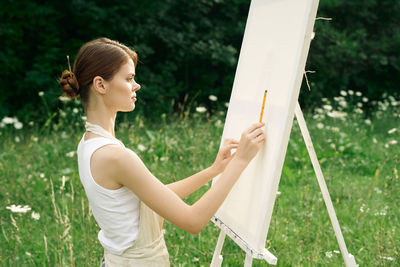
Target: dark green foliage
188, 50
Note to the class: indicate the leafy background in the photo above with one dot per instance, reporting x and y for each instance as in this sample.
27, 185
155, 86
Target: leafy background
188, 49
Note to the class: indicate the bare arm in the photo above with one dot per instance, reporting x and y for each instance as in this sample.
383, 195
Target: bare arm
127, 169
185, 187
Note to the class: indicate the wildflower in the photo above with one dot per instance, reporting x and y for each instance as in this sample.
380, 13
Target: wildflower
41, 93
226, 104
75, 110
141, 147
386, 258
392, 131
19, 208
367, 122
18, 125
359, 104
358, 93
41, 175
350, 92
201, 109
218, 123
392, 142
28, 254
332, 145
64, 98
358, 110
31, 123
343, 93
374, 140
35, 215
7, 120
17, 140
337, 114
320, 125
195, 259
328, 254
327, 107
343, 103
35, 139
84, 118
364, 99
212, 98
70, 154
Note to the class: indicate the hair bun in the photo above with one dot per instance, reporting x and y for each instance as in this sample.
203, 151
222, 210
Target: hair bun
69, 84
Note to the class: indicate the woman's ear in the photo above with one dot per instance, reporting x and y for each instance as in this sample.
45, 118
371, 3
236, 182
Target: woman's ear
98, 85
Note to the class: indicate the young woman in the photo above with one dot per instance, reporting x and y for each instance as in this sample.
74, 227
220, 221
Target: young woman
127, 201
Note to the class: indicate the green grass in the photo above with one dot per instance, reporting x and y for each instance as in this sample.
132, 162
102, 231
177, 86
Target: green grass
362, 175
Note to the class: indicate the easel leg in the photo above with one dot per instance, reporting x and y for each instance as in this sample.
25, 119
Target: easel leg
348, 258
248, 261
217, 257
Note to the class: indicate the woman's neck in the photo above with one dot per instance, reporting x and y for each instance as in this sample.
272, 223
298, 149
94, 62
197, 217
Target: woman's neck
102, 117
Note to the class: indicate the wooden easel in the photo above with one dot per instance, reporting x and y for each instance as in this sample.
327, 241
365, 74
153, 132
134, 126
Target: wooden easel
266, 255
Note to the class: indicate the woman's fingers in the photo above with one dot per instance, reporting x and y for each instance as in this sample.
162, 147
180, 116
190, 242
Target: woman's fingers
254, 126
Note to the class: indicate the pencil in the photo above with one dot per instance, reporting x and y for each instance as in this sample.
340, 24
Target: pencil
263, 105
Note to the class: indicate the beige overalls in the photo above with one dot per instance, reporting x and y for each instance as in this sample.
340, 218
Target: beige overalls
149, 249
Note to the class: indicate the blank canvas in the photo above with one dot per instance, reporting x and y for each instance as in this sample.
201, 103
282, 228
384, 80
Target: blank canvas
272, 57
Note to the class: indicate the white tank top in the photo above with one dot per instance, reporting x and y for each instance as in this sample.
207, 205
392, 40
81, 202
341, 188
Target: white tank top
116, 211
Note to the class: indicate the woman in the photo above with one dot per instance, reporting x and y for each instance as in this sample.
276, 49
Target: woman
127, 201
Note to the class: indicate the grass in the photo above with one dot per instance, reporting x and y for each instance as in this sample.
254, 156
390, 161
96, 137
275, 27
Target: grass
359, 159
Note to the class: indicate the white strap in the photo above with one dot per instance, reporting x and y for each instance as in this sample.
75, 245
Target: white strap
97, 129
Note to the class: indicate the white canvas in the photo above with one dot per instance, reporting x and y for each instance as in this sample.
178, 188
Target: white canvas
272, 57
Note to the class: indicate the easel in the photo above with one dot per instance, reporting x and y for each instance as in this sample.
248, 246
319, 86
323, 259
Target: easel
266, 255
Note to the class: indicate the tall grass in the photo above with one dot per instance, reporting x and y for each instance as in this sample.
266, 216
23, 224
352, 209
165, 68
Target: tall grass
359, 157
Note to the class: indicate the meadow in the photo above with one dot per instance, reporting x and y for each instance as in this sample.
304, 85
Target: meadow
45, 219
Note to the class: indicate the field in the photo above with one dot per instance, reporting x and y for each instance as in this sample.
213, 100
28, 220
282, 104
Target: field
358, 152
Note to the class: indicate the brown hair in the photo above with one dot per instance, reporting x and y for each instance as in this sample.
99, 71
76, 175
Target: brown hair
100, 57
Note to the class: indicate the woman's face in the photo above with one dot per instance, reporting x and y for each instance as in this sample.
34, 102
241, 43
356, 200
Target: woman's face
121, 93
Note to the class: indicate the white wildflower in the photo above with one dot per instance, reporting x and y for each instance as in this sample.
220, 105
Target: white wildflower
364, 99
341, 148
367, 122
19, 208
201, 109
392, 131
42, 175
383, 212
35, 139
343, 103
336, 251
28, 254
332, 145
75, 110
226, 104
41, 93
63, 178
35, 215
31, 123
8, 120
278, 193
387, 258
18, 125
320, 125
359, 104
218, 123
377, 190
350, 92
337, 114
343, 93
328, 254
358, 110
374, 140
195, 259
213, 98
327, 107
141, 147
64, 98
16, 139
70, 154
392, 142
84, 118
358, 93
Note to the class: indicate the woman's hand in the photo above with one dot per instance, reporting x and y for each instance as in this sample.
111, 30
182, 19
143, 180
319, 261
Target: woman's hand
224, 155
250, 143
